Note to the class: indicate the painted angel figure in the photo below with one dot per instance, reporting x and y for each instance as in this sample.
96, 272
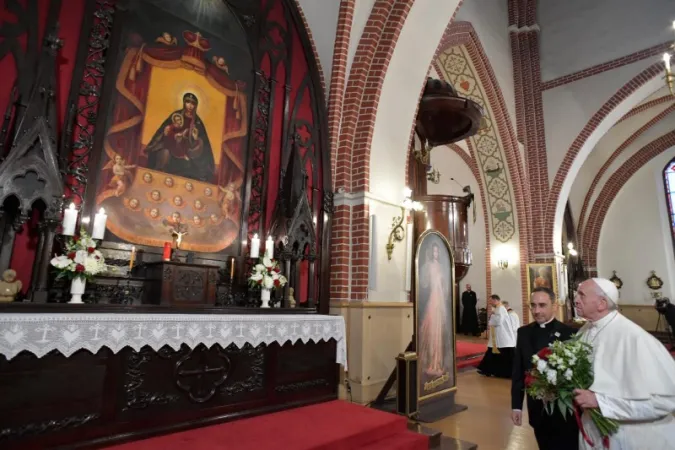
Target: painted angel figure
230, 193
121, 174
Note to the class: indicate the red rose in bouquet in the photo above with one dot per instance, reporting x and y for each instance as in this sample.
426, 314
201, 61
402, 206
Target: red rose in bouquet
544, 353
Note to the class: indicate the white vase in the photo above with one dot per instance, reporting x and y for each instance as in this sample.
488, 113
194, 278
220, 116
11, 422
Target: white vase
265, 297
77, 289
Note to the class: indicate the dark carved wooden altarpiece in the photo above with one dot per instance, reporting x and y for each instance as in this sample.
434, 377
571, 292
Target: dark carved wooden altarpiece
285, 193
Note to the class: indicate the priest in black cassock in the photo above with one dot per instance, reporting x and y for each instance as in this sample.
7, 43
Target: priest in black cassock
469, 314
553, 432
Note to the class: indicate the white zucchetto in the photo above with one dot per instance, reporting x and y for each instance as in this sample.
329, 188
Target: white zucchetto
609, 289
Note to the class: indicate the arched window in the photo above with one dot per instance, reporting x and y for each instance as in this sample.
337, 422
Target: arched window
669, 183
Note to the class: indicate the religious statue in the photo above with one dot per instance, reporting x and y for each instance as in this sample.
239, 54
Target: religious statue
181, 146
291, 299
9, 286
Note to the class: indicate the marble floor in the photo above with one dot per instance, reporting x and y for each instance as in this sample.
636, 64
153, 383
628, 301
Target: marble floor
487, 421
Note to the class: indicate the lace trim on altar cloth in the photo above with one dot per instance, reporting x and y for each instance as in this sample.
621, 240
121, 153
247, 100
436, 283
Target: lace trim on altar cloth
40, 334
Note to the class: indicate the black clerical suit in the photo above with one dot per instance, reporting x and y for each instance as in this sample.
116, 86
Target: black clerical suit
469, 315
553, 432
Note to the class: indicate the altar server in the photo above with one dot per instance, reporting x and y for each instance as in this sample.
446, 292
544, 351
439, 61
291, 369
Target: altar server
515, 320
498, 359
634, 380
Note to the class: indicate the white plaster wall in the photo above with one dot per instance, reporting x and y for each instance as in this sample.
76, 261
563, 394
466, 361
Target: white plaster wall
451, 165
653, 133
568, 108
322, 17
490, 19
386, 277
635, 237
612, 117
578, 34
613, 139
403, 82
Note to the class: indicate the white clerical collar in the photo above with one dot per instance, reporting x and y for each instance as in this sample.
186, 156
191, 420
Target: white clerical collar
605, 320
543, 325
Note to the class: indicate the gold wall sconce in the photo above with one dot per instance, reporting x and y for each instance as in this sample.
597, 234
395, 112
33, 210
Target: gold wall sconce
503, 264
398, 232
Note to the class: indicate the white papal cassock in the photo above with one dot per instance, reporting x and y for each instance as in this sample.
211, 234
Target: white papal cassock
634, 382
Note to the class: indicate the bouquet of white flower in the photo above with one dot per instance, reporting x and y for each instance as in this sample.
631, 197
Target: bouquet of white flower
81, 259
559, 370
266, 275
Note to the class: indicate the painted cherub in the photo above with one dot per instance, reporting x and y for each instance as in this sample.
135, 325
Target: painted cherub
230, 193
121, 174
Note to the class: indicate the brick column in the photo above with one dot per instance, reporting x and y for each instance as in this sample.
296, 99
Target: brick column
524, 35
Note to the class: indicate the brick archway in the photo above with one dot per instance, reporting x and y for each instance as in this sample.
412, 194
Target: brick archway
463, 34
350, 239
338, 78
597, 126
614, 185
624, 145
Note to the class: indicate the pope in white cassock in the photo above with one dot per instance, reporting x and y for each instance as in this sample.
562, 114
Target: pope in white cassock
634, 375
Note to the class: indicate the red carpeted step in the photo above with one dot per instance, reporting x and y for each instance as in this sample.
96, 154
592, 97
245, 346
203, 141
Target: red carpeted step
335, 425
407, 440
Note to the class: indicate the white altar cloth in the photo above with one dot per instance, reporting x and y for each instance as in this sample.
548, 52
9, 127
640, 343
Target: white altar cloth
41, 333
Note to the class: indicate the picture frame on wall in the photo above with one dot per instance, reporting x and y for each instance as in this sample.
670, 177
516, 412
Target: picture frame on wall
434, 313
541, 275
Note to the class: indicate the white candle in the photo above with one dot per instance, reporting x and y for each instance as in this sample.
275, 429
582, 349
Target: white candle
99, 225
269, 247
666, 61
69, 220
255, 246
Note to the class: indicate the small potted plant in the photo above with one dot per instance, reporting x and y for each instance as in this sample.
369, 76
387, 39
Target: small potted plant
81, 262
266, 275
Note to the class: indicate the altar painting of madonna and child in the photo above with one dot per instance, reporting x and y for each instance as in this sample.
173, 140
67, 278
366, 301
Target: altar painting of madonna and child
176, 135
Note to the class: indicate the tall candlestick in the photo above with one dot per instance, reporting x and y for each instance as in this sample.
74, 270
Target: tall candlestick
69, 220
166, 256
132, 258
269, 247
99, 224
232, 269
255, 246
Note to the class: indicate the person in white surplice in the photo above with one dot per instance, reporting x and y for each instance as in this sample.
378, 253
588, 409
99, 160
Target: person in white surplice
515, 320
498, 359
634, 375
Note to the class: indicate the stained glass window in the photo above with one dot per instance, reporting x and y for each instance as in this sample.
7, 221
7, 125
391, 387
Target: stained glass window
669, 182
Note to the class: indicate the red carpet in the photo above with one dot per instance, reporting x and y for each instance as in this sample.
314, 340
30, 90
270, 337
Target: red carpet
469, 354
335, 425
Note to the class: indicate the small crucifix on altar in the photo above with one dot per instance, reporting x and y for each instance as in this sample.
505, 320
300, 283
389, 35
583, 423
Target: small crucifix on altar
178, 231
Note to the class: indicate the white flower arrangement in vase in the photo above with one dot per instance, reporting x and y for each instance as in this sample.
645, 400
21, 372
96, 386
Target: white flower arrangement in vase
81, 262
266, 275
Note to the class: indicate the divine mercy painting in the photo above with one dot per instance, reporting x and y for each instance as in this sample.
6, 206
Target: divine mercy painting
175, 143
435, 321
